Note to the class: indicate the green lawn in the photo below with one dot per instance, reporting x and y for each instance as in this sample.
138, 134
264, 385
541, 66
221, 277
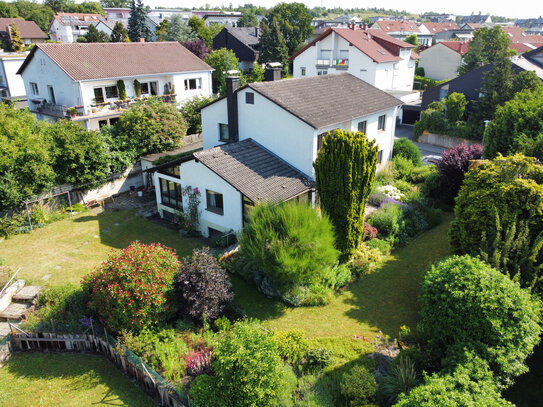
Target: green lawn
382, 300
35, 379
69, 249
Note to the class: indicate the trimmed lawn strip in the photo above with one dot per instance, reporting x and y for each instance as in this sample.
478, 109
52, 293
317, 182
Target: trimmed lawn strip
36, 379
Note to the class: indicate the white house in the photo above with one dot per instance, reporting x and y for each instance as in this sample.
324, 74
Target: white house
373, 56
86, 76
260, 142
11, 84
401, 29
442, 60
67, 27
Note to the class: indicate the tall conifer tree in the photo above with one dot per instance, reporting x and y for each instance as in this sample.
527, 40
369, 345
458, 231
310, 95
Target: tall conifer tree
137, 24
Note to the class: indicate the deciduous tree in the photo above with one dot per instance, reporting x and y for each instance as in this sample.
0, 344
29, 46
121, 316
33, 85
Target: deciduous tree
179, 30
488, 45
272, 44
294, 20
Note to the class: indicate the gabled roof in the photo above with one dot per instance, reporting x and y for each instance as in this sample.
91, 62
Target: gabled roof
435, 28
326, 100
390, 26
91, 61
254, 171
517, 34
379, 46
247, 35
475, 18
27, 29
460, 47
77, 18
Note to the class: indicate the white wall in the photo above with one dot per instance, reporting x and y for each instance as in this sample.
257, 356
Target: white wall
440, 62
212, 115
8, 69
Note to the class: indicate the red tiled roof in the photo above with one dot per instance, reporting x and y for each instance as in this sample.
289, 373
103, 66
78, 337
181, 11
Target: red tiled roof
435, 28
28, 29
517, 34
522, 47
380, 47
459, 47
390, 26
119, 59
82, 17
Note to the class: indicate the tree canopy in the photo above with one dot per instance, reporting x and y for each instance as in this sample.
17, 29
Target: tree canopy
221, 60
119, 33
272, 44
94, 35
179, 30
248, 19
294, 20
137, 22
488, 45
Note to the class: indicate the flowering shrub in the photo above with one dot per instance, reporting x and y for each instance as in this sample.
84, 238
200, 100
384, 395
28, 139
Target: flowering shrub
199, 362
369, 231
182, 221
130, 290
391, 192
193, 199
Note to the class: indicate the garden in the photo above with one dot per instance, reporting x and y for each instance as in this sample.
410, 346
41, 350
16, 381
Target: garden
322, 308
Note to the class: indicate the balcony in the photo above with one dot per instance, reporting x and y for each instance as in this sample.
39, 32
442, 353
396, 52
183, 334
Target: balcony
333, 63
51, 109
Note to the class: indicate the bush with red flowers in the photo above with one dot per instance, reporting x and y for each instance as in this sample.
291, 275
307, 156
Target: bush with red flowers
131, 289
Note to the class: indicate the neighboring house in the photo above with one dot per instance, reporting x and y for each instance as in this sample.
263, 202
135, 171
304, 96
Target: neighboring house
470, 84
476, 19
11, 84
260, 142
371, 55
401, 29
229, 18
243, 41
531, 25
29, 31
439, 18
67, 27
441, 61
442, 31
522, 41
59, 76
114, 14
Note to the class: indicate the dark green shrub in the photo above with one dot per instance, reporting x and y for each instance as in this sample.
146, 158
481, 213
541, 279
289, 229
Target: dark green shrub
345, 172
419, 174
480, 310
358, 385
403, 167
342, 274
203, 390
401, 376
407, 149
403, 185
456, 105
432, 216
311, 393
317, 359
388, 220
433, 121
432, 185
419, 71
10, 224
192, 114
122, 89
292, 245
382, 245
65, 305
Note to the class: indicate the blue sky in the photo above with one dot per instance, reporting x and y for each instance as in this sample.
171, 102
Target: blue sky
517, 9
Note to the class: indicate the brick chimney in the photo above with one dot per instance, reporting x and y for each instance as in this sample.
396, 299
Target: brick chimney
273, 71
141, 39
232, 85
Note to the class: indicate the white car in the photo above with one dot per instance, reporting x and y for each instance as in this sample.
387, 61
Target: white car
431, 159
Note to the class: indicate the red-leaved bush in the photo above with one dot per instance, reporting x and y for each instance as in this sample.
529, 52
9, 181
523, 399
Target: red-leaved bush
369, 231
199, 362
131, 289
453, 166
197, 47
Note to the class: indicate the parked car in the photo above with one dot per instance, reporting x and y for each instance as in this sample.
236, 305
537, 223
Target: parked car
431, 159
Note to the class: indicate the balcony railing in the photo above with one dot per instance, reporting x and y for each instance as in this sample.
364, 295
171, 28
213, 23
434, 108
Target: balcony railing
52, 109
334, 63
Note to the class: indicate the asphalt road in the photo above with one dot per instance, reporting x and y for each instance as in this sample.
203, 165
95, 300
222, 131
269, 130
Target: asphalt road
403, 131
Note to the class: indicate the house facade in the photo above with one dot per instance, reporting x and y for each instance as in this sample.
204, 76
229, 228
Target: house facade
29, 31
243, 41
441, 61
11, 84
373, 56
401, 29
260, 142
86, 76
68, 27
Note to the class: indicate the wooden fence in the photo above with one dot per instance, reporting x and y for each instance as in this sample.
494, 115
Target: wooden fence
132, 366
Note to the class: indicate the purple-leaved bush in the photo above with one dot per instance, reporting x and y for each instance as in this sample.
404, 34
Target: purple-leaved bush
197, 47
453, 166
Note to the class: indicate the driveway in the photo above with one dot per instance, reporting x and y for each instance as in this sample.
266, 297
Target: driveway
404, 131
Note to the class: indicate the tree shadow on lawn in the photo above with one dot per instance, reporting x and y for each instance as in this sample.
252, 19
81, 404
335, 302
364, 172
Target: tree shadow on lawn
78, 374
388, 296
117, 229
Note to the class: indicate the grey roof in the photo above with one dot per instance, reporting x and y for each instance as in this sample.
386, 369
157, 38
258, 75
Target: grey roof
326, 100
254, 171
247, 35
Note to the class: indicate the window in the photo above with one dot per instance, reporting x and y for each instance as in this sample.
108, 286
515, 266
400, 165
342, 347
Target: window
191, 84
380, 157
34, 87
112, 92
223, 132
326, 54
362, 126
149, 88
102, 123
303, 71
343, 54
171, 194
381, 123
98, 95
172, 170
250, 98
113, 120
247, 207
214, 202
214, 233
322, 72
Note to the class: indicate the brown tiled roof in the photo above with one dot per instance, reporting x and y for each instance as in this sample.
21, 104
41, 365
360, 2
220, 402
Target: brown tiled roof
517, 34
119, 59
77, 18
460, 47
326, 100
254, 171
390, 26
435, 28
379, 46
28, 29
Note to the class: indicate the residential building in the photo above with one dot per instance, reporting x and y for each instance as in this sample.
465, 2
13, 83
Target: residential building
531, 25
439, 18
114, 14
228, 18
401, 29
444, 31
11, 84
470, 84
260, 142
68, 27
243, 41
521, 41
441, 61
167, 13
29, 31
86, 76
476, 19
371, 55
